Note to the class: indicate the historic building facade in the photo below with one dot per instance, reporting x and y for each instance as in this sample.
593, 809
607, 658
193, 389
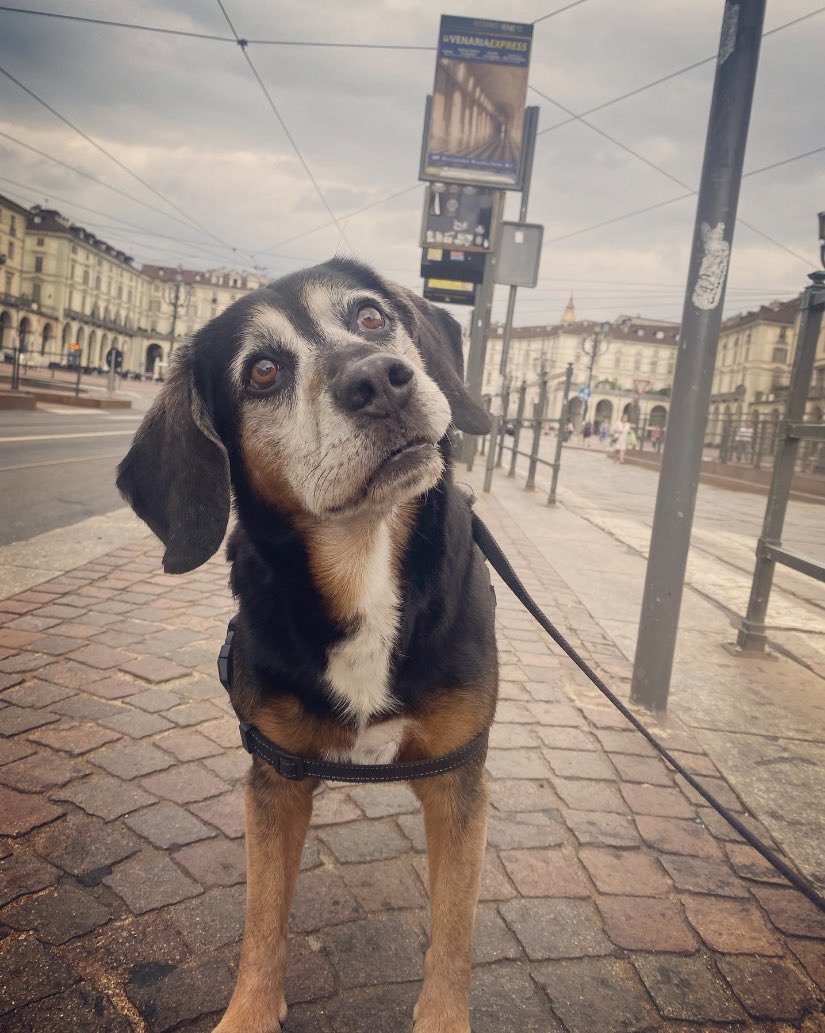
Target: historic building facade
66, 296
632, 368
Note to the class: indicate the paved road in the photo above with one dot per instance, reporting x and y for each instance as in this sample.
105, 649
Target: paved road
57, 465
727, 524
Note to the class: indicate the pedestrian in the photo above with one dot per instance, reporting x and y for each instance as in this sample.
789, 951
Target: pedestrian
656, 438
587, 433
568, 431
604, 431
620, 441
743, 441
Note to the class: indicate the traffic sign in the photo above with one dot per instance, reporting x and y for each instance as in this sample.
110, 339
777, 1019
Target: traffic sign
584, 393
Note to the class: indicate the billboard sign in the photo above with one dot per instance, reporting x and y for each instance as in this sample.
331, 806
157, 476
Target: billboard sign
458, 217
450, 292
437, 264
476, 123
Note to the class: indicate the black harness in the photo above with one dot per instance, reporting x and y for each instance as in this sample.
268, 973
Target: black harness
295, 768
290, 766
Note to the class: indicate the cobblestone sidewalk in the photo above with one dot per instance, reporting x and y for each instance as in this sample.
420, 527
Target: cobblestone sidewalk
611, 900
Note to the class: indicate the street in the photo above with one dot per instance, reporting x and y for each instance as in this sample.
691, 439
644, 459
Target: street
57, 463
620, 500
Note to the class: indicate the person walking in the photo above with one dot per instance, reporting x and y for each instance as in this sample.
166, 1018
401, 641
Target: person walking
622, 435
587, 433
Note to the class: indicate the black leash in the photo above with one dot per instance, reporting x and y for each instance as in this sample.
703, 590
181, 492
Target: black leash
295, 768
502, 566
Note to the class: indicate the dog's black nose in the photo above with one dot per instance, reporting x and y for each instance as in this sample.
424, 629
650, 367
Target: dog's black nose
377, 385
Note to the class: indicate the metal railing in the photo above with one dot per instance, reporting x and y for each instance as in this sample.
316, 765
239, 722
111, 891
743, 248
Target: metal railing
791, 432
538, 424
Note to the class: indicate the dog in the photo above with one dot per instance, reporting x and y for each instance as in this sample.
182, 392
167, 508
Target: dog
321, 407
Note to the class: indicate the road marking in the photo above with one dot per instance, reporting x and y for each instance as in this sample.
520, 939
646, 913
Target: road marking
60, 462
66, 437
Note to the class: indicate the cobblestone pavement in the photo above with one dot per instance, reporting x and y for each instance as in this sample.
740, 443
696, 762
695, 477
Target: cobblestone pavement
611, 900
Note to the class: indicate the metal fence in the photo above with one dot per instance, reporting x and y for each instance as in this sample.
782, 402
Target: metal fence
792, 432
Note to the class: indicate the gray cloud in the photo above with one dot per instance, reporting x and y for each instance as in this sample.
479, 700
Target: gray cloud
187, 116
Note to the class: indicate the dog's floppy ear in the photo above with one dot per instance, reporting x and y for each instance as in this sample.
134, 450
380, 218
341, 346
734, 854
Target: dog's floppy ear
176, 474
439, 341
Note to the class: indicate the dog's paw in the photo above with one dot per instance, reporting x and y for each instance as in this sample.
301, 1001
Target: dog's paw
431, 1020
249, 1019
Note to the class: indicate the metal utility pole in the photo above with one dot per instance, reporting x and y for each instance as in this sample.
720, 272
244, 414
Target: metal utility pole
480, 325
531, 120
565, 403
702, 316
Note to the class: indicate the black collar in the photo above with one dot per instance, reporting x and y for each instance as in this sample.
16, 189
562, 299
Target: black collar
293, 767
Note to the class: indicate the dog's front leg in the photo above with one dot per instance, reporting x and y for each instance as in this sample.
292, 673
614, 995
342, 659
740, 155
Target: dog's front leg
277, 818
455, 816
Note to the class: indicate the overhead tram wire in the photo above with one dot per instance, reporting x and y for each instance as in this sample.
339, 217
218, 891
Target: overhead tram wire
671, 75
123, 167
219, 252
675, 179
559, 10
242, 43
573, 117
347, 215
100, 182
682, 197
116, 24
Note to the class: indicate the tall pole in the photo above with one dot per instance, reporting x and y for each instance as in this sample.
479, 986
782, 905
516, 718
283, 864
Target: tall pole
565, 401
531, 121
701, 318
481, 323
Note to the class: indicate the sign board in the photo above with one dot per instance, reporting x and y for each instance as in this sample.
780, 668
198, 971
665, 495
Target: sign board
437, 264
584, 393
450, 292
476, 125
519, 254
640, 386
457, 216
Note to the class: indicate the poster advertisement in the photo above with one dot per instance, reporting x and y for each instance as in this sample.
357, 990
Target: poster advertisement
437, 264
450, 292
457, 217
477, 118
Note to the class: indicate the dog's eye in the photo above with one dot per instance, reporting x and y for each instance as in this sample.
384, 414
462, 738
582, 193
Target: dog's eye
264, 374
369, 318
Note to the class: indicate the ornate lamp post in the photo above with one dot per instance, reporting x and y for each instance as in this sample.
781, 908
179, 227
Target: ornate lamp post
591, 347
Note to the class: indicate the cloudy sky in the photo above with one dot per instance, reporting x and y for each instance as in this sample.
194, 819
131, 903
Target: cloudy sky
187, 116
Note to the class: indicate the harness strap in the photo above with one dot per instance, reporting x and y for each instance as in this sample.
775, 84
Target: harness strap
295, 768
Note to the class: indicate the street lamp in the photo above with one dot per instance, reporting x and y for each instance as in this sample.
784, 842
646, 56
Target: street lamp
177, 296
822, 237
591, 346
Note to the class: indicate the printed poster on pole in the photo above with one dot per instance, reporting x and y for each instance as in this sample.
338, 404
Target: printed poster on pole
476, 124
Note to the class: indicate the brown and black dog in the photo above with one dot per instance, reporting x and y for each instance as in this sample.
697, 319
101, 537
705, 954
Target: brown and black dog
320, 406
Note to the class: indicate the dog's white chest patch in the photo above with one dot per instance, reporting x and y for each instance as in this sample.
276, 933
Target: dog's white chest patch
358, 668
378, 744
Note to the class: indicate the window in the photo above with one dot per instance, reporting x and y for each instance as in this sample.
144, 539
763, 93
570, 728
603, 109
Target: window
97, 283
11, 248
12, 227
780, 354
41, 242
38, 264
85, 277
74, 249
9, 282
36, 291
637, 361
